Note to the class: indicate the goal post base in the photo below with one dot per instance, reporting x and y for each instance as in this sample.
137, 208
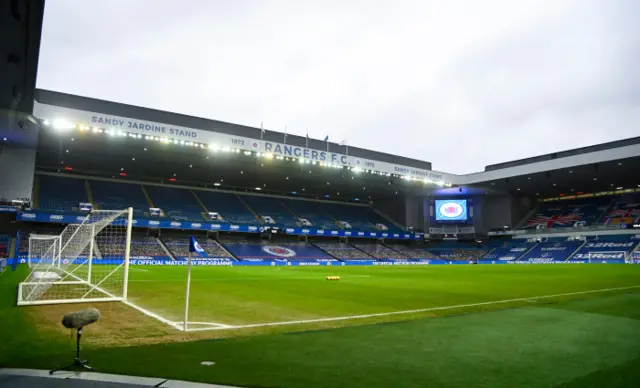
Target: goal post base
67, 301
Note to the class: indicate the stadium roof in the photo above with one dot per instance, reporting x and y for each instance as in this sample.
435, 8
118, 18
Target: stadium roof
320, 169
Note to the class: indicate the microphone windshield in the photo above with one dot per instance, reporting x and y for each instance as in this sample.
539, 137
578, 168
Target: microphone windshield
81, 318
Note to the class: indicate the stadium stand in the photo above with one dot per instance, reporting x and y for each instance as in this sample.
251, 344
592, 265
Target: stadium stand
607, 247
228, 206
179, 247
513, 250
624, 210
145, 246
457, 254
413, 252
565, 214
268, 206
380, 251
61, 194
342, 251
115, 195
310, 210
552, 250
5, 242
250, 250
178, 204
359, 217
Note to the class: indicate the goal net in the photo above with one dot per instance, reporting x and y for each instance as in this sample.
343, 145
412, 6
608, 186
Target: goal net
595, 257
87, 262
43, 248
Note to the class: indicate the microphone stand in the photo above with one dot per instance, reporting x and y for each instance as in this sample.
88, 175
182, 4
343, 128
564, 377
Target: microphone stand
76, 361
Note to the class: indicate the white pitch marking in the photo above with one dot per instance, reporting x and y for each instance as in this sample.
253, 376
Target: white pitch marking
412, 311
154, 315
220, 325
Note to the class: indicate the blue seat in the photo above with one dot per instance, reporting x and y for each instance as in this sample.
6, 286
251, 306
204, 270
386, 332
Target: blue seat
178, 204
228, 206
58, 194
267, 206
115, 195
310, 210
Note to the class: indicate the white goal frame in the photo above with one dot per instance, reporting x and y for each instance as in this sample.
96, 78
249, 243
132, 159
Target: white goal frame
54, 241
58, 271
626, 255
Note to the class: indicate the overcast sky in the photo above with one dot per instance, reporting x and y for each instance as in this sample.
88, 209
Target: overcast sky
461, 84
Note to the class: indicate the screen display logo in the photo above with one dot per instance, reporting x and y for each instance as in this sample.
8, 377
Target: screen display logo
451, 210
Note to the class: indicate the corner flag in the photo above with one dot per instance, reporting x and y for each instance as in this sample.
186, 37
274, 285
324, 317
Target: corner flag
194, 247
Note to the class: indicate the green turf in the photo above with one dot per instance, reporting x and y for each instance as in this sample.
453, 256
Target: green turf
589, 340
252, 295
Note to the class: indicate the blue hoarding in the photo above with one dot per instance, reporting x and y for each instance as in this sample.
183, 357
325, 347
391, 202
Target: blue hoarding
35, 216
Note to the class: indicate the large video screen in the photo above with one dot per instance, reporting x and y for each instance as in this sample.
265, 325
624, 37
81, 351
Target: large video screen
451, 210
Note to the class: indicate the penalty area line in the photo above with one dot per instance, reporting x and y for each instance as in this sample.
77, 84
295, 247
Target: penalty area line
364, 316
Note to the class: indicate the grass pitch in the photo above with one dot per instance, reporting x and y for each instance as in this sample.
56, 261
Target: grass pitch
580, 340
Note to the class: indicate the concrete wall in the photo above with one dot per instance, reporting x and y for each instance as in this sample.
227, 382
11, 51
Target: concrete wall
17, 167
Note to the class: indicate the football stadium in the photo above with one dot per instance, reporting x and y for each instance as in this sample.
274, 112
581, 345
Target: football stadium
226, 254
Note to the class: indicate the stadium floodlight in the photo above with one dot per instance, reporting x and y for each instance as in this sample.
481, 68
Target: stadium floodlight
268, 155
62, 125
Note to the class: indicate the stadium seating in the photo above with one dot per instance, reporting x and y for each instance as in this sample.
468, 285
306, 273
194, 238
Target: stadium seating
509, 251
178, 204
359, 217
624, 210
115, 195
607, 247
552, 251
59, 194
343, 251
380, 251
258, 251
179, 247
413, 252
457, 254
145, 247
268, 206
310, 210
564, 214
228, 206
5, 242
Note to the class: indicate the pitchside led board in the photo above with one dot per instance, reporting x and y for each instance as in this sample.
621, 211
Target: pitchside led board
451, 210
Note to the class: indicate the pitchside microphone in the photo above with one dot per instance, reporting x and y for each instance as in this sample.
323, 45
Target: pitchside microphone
80, 319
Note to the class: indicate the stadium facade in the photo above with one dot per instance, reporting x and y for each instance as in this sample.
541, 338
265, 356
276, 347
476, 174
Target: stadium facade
402, 188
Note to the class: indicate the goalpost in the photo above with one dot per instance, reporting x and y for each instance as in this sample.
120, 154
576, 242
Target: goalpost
595, 257
87, 262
